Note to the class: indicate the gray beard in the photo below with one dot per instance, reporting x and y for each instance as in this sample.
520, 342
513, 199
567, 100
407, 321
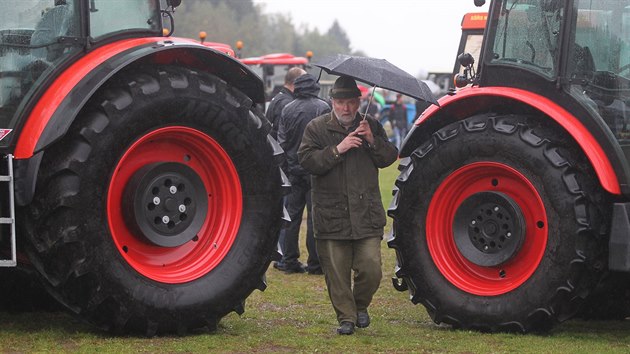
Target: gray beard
346, 122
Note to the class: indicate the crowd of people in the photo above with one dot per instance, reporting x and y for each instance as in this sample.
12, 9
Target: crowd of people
333, 153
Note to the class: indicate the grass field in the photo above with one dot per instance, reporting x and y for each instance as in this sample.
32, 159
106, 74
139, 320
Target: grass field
294, 315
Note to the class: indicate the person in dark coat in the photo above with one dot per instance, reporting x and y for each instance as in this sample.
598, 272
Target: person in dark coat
282, 99
398, 119
274, 111
343, 153
295, 116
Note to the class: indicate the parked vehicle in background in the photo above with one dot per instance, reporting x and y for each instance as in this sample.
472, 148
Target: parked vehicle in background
473, 25
272, 68
513, 201
138, 181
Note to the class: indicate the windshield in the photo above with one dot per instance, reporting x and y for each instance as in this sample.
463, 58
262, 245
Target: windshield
602, 37
31, 42
528, 35
599, 61
112, 16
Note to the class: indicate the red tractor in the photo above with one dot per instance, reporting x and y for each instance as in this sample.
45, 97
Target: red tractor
513, 201
139, 183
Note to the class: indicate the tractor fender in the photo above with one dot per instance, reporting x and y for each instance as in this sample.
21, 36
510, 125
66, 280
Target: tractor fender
59, 105
469, 101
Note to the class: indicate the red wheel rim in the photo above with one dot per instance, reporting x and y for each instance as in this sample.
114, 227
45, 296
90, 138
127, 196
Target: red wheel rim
212, 164
456, 188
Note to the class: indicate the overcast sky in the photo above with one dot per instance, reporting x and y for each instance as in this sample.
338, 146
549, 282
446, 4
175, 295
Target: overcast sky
416, 35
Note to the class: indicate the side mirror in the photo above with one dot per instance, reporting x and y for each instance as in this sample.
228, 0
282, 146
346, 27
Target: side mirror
461, 81
480, 3
175, 3
465, 59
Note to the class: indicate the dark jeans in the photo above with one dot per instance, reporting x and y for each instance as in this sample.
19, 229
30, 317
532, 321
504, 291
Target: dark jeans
300, 196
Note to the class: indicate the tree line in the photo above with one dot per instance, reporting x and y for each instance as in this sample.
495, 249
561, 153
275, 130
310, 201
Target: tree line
229, 21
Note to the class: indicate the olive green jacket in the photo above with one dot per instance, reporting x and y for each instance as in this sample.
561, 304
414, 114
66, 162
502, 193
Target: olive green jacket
346, 198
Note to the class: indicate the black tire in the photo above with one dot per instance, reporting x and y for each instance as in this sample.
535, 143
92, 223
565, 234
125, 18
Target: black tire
23, 292
610, 300
150, 130
460, 194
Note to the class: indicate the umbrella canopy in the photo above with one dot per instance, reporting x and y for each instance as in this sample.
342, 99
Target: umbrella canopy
377, 72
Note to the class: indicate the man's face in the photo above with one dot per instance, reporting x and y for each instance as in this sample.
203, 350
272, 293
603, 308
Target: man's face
345, 109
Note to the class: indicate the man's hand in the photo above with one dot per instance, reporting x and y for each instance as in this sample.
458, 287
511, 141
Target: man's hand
350, 142
365, 131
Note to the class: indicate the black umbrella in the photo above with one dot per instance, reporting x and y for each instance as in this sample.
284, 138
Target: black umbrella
377, 72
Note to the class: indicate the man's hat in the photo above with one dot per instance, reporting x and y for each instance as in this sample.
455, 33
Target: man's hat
345, 87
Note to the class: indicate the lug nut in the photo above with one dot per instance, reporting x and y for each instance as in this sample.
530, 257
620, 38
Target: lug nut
182, 208
508, 235
156, 201
473, 222
496, 208
165, 219
173, 189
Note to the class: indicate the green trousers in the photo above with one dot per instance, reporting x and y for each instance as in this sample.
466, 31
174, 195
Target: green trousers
338, 260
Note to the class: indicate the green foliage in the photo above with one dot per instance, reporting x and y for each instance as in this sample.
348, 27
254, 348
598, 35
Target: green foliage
228, 21
294, 315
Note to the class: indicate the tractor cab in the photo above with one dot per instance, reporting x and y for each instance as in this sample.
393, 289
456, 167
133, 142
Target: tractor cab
577, 54
39, 37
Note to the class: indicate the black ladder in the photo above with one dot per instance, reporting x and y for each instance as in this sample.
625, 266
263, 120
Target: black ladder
8, 219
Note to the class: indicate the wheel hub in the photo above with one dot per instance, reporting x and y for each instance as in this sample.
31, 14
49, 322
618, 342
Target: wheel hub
166, 203
488, 228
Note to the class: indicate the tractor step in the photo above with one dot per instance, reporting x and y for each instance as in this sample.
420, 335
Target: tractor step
7, 222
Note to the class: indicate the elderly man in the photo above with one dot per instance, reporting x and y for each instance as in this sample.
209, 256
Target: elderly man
343, 153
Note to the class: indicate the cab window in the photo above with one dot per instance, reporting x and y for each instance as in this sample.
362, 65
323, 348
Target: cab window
115, 16
528, 35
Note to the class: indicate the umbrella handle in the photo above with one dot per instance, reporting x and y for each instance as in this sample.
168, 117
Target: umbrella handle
367, 107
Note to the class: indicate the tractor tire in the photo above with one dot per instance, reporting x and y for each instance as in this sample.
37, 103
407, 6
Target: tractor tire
159, 211
610, 300
23, 292
498, 225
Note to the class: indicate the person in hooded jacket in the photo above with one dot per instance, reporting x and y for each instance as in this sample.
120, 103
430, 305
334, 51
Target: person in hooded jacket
295, 116
343, 152
282, 98
274, 111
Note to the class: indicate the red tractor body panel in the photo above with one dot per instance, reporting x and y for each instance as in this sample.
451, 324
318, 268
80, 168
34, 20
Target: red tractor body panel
474, 20
275, 59
596, 155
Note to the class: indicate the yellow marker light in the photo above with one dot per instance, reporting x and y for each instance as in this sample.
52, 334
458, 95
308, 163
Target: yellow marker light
202, 36
239, 45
